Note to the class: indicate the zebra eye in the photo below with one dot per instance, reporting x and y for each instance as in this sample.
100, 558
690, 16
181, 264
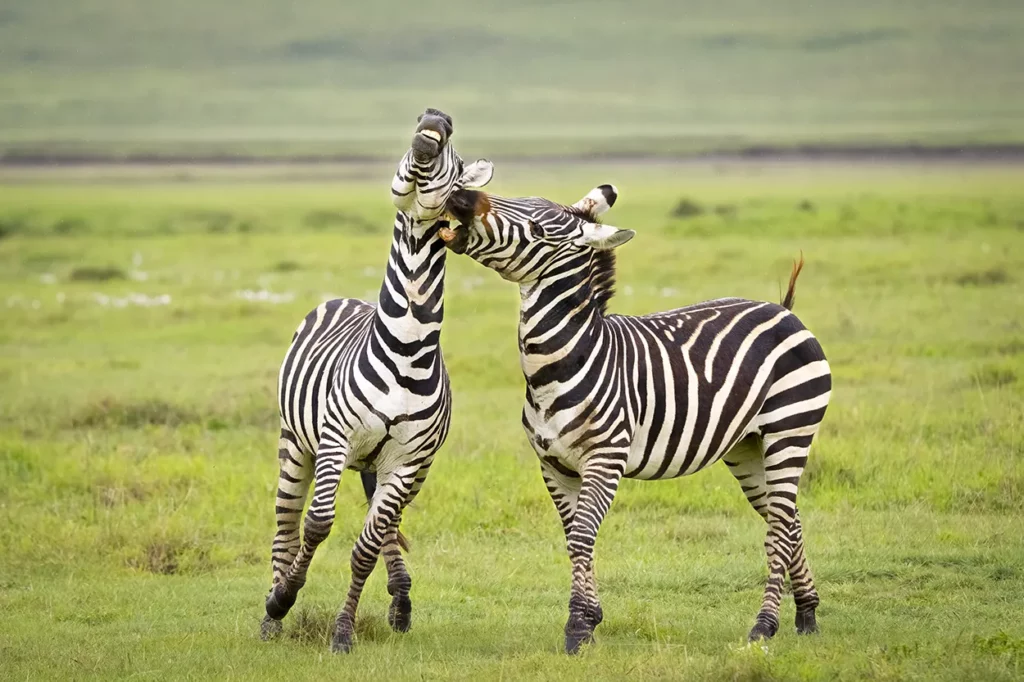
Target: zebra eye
536, 230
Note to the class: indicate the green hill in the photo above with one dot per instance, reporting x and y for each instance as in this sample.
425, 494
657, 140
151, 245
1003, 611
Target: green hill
320, 77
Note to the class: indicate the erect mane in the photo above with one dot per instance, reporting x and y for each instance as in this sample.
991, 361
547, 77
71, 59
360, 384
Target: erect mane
602, 278
580, 213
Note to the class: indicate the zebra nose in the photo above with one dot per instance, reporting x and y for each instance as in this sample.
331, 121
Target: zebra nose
462, 205
431, 135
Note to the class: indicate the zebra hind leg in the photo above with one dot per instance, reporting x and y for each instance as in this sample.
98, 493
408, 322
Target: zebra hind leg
784, 541
802, 582
292, 486
785, 456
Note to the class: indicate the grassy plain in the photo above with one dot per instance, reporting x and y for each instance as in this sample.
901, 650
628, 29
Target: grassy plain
137, 434
647, 76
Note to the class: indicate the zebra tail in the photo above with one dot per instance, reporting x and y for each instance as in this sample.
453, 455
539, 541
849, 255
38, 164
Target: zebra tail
788, 301
370, 487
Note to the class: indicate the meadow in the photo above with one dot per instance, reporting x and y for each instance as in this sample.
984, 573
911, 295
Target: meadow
144, 319
259, 78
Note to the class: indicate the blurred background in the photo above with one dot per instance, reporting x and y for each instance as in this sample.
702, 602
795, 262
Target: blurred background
115, 78
182, 181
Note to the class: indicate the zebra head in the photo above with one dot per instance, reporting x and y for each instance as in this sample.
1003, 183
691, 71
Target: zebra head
522, 239
431, 170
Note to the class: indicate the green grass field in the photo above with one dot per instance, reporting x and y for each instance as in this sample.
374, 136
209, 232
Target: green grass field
118, 77
143, 324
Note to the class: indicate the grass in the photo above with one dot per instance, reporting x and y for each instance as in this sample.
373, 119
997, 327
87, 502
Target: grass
137, 435
112, 77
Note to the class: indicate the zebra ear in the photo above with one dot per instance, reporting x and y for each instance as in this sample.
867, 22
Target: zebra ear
603, 237
477, 174
597, 201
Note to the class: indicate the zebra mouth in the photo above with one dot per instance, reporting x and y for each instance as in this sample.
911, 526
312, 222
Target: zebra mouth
431, 136
455, 238
427, 147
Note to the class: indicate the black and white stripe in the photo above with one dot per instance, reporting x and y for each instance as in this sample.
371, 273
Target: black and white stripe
364, 387
649, 397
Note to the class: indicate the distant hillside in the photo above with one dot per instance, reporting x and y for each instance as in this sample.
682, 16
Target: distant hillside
329, 77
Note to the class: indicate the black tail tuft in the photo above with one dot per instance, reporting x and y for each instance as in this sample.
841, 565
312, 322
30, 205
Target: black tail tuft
787, 302
370, 487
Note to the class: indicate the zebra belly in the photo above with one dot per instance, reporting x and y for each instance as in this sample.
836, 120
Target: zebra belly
647, 462
683, 434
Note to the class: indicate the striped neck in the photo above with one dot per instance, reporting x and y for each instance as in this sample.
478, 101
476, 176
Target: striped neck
410, 305
561, 321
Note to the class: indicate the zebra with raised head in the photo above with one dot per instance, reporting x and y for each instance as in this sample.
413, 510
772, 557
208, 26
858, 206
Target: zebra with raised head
649, 397
364, 387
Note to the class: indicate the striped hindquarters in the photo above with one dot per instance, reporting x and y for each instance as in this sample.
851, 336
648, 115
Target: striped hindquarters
709, 375
330, 334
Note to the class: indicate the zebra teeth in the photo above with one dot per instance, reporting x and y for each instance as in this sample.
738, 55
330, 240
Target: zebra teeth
432, 134
447, 234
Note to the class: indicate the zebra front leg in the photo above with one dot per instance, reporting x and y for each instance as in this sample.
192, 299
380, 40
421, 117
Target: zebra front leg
387, 505
399, 580
563, 486
292, 485
600, 480
330, 461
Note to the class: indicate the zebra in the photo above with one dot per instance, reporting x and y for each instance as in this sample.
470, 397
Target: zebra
364, 387
649, 397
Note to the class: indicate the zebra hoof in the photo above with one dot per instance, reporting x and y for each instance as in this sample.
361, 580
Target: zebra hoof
400, 614
280, 602
341, 643
806, 623
577, 633
761, 631
270, 629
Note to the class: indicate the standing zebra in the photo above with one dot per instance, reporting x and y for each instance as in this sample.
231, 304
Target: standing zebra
649, 397
364, 387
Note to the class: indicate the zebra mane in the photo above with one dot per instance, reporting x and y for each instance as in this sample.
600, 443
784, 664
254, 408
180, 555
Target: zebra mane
602, 279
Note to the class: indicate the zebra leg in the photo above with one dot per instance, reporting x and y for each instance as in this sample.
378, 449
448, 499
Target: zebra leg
399, 580
802, 582
292, 485
564, 488
747, 464
385, 509
785, 456
330, 461
600, 481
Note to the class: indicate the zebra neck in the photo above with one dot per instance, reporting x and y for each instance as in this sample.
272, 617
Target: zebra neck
410, 305
560, 326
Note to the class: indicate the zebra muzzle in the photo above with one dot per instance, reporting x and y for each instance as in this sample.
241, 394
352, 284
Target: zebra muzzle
431, 135
455, 238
